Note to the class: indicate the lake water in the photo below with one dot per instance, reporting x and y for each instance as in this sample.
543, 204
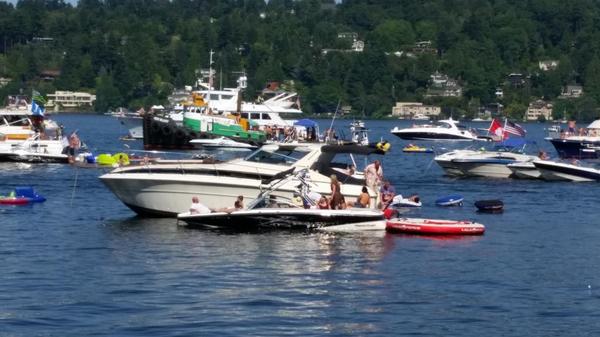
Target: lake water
83, 264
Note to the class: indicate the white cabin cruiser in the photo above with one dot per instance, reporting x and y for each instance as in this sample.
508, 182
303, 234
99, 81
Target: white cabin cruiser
447, 129
485, 163
166, 189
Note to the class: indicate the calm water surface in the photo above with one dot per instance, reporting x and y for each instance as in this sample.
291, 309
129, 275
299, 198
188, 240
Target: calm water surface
83, 264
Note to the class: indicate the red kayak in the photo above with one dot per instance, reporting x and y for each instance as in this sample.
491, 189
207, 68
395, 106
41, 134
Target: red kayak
434, 227
14, 201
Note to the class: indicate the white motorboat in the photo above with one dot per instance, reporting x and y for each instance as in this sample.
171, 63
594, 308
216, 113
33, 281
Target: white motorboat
553, 170
269, 212
221, 142
16, 124
34, 150
447, 129
167, 188
485, 163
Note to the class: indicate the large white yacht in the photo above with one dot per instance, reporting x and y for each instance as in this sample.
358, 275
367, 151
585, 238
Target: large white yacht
265, 112
166, 188
447, 129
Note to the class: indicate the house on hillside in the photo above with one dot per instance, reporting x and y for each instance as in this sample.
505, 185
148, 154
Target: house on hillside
490, 111
516, 80
356, 45
70, 100
571, 91
443, 86
49, 75
499, 93
539, 109
408, 110
4, 81
548, 65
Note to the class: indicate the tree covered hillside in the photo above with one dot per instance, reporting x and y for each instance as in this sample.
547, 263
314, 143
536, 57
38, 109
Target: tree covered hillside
134, 52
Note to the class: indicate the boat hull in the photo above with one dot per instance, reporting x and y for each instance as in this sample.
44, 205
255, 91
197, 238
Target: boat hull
524, 171
281, 218
434, 227
496, 169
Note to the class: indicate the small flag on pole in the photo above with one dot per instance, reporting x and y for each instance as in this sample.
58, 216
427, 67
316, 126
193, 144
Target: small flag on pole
496, 129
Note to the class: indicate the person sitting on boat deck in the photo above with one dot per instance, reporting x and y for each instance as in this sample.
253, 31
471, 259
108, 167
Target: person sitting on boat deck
323, 203
543, 155
386, 194
198, 208
374, 175
337, 199
239, 202
363, 200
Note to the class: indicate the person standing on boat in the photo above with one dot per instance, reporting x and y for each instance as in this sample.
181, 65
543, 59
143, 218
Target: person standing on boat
337, 199
374, 175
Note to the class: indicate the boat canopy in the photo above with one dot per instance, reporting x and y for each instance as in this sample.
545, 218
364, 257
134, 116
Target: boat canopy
307, 123
513, 142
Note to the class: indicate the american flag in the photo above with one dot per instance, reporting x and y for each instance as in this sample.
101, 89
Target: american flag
514, 128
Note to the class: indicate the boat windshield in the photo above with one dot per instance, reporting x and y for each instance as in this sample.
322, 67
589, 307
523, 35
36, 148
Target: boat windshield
280, 156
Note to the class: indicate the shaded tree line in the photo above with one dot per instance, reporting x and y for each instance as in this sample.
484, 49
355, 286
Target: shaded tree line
134, 52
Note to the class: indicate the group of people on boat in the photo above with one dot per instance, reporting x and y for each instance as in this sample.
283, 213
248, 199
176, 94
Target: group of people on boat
374, 180
290, 133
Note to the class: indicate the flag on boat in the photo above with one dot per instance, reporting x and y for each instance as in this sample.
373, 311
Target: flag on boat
37, 103
37, 110
514, 128
496, 129
37, 97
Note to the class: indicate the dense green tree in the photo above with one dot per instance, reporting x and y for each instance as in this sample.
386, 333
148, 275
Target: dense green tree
134, 52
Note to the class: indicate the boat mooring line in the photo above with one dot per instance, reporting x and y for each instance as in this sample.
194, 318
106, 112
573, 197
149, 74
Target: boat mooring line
74, 185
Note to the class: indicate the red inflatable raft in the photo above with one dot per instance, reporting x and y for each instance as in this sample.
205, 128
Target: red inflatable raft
434, 227
14, 201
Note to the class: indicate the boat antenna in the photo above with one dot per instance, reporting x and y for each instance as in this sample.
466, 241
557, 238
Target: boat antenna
335, 114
